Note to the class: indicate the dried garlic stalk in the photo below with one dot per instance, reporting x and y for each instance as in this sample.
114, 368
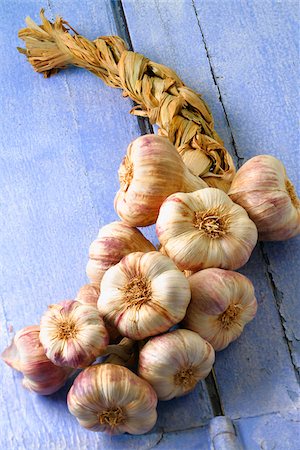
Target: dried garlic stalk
181, 113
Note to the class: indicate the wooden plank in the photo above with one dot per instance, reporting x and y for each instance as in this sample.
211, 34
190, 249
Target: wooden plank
255, 374
62, 140
191, 440
270, 431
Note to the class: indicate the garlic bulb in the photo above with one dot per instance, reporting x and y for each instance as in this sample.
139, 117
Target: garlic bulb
143, 295
174, 362
27, 355
112, 399
151, 170
221, 305
88, 294
205, 229
262, 187
73, 334
114, 241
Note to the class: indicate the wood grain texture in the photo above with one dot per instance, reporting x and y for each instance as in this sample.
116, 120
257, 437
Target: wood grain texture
271, 431
239, 55
62, 140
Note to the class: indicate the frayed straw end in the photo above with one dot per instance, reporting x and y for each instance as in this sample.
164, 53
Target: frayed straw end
42, 50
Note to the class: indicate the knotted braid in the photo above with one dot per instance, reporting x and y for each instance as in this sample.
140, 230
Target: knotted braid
159, 94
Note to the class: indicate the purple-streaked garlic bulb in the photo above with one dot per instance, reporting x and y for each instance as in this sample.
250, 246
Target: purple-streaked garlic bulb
143, 295
73, 334
112, 399
262, 187
114, 241
174, 362
222, 303
205, 229
151, 170
27, 355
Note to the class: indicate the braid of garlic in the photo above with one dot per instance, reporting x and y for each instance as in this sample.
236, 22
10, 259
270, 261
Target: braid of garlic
181, 113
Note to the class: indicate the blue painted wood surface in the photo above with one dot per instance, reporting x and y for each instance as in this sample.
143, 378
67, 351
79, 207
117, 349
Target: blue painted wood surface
61, 143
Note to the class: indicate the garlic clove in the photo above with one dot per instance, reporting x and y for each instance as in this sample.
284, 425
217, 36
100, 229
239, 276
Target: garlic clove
174, 362
222, 303
73, 334
205, 229
151, 170
262, 187
143, 295
110, 398
113, 242
26, 354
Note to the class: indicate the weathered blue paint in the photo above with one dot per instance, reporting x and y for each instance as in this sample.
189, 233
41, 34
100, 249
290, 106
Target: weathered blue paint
61, 143
278, 431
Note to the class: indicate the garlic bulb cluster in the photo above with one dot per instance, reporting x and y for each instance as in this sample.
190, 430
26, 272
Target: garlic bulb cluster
114, 241
205, 229
73, 334
26, 354
112, 399
151, 170
222, 303
143, 295
174, 362
262, 187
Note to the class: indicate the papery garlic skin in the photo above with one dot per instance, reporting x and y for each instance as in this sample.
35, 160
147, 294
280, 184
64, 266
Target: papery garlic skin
205, 229
174, 362
88, 294
222, 303
114, 241
112, 399
262, 187
151, 170
73, 334
143, 295
26, 354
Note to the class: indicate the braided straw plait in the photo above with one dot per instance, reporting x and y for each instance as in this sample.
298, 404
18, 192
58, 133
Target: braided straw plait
160, 95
